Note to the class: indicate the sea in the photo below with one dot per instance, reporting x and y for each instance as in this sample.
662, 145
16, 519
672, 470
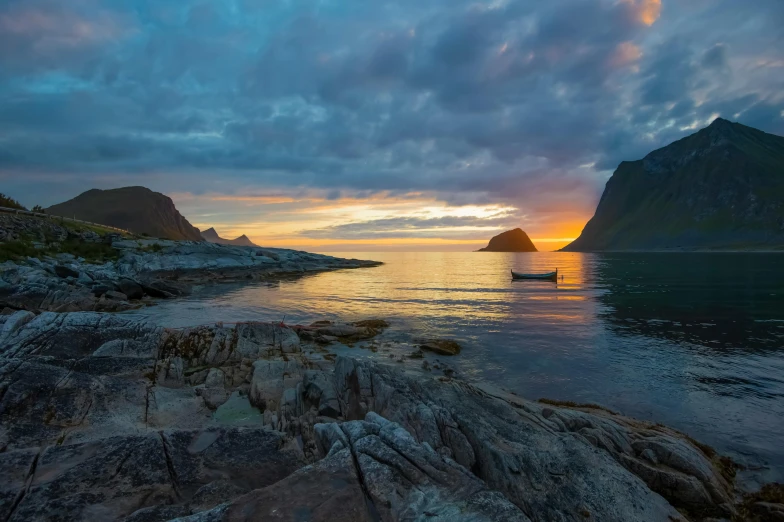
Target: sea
691, 340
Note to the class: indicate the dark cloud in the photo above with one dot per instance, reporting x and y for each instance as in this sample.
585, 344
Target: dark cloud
471, 101
715, 57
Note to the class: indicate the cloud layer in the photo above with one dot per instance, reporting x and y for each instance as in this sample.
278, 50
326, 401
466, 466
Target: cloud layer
515, 102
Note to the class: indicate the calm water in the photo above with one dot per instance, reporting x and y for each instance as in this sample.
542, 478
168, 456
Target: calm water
695, 341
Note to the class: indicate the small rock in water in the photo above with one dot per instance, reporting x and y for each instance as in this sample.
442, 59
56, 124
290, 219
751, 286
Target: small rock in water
440, 346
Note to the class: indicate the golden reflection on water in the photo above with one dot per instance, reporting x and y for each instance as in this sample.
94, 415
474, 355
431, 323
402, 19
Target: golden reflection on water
446, 284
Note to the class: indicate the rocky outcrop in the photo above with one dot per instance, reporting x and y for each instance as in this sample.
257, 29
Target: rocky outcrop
136, 209
510, 241
719, 188
105, 417
212, 236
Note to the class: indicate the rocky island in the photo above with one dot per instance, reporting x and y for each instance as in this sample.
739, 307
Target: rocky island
718, 189
510, 241
106, 417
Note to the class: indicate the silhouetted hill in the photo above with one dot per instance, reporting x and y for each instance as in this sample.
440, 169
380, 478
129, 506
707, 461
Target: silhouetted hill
720, 188
212, 236
136, 209
510, 241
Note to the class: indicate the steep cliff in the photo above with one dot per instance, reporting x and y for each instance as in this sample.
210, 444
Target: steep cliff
720, 188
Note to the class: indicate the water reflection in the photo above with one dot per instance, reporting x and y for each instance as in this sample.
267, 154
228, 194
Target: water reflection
692, 340
717, 301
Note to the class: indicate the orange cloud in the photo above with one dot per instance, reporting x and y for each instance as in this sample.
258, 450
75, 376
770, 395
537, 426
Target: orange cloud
646, 11
625, 54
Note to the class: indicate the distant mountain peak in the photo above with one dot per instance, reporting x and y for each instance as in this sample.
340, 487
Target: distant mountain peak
211, 235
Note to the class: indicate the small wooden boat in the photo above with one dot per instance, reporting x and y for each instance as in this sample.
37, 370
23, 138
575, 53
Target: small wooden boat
549, 276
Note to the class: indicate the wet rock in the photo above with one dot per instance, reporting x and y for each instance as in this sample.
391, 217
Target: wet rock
440, 346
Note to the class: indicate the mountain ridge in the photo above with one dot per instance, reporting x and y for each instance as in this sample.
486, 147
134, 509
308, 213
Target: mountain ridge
721, 188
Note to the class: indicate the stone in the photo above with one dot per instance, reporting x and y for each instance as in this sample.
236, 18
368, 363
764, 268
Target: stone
440, 346
320, 391
130, 288
268, 382
213, 494
117, 296
101, 289
64, 271
328, 490
108, 479
215, 378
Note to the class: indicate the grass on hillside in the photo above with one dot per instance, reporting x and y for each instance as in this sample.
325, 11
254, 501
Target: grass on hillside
83, 227
91, 252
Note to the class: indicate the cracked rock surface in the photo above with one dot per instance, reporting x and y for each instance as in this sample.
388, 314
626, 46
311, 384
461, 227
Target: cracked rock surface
103, 417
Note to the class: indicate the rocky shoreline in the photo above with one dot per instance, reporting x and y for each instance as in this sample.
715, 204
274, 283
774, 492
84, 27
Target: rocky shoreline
142, 269
105, 417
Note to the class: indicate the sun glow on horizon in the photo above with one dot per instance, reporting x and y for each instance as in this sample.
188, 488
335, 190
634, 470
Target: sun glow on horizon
412, 221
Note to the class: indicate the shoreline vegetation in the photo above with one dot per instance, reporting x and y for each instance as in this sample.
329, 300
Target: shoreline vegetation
104, 414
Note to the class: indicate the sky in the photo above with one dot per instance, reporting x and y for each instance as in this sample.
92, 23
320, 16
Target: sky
372, 125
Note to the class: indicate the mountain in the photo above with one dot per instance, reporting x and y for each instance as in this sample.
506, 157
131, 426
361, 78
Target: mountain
510, 241
136, 209
212, 236
720, 188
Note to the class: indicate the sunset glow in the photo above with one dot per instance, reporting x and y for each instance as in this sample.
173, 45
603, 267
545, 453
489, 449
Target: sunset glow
359, 125
412, 221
